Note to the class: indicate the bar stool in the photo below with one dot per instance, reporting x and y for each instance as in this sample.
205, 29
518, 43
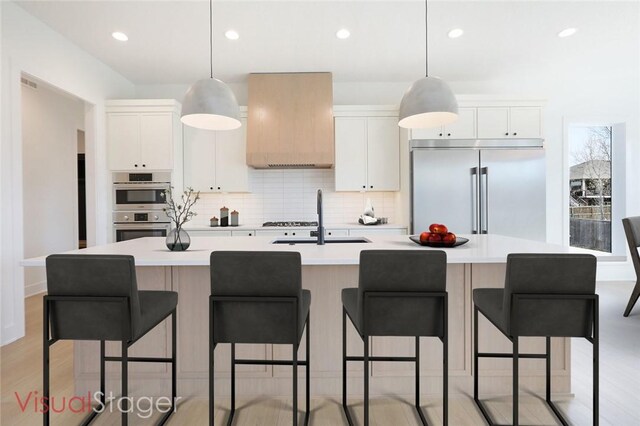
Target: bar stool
257, 297
399, 293
632, 232
545, 295
96, 297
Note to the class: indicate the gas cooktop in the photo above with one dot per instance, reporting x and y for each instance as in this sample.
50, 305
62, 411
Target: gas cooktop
290, 224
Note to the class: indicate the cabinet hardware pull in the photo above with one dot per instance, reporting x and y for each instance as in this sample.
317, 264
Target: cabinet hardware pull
514, 133
448, 134
440, 134
136, 165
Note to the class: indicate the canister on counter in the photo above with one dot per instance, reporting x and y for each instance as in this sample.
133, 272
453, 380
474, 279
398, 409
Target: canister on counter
234, 218
213, 221
224, 216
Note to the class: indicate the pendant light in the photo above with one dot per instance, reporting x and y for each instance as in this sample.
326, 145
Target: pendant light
209, 103
429, 102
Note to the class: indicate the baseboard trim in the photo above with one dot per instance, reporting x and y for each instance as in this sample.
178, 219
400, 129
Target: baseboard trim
35, 288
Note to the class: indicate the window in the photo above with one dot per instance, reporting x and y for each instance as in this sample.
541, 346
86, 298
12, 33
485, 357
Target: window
590, 183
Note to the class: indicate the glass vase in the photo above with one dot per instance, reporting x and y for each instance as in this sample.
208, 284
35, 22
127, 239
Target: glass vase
178, 240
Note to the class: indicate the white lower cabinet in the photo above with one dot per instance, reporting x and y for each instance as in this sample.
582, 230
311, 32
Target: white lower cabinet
203, 233
384, 231
336, 232
285, 232
251, 233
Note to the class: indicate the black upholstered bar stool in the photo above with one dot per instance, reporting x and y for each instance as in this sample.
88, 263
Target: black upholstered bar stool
96, 297
257, 297
632, 231
545, 295
400, 293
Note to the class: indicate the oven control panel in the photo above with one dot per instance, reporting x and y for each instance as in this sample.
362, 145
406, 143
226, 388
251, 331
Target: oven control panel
141, 217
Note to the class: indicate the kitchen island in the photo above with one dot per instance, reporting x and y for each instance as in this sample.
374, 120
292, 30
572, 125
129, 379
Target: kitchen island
325, 271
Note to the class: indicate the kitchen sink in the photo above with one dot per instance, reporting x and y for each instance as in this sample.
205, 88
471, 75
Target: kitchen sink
344, 240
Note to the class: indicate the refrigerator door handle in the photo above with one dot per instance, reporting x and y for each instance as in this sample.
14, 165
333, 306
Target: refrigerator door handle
474, 200
484, 193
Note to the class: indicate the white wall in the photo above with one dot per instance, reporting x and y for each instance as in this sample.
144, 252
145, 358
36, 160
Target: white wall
31, 47
50, 123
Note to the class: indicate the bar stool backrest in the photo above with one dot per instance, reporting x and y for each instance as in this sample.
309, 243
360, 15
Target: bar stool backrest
632, 232
109, 308
402, 271
556, 286
240, 275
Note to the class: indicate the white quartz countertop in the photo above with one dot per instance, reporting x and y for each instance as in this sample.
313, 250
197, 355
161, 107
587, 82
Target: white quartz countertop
302, 228
152, 251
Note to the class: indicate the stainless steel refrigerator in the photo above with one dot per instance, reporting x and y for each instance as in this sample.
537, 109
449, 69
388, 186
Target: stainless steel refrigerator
479, 186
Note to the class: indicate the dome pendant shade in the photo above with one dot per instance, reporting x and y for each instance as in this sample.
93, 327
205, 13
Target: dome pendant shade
429, 102
210, 104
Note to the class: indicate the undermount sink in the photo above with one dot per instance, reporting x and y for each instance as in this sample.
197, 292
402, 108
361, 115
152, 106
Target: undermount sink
346, 240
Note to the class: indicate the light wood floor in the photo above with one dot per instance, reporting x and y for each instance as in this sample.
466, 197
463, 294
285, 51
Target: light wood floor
21, 372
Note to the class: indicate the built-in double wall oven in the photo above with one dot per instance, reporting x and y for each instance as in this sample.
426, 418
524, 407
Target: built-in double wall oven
138, 205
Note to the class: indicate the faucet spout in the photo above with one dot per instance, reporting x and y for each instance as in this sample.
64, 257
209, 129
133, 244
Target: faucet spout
320, 224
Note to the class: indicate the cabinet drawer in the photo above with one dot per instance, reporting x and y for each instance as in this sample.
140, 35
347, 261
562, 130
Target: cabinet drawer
209, 233
247, 233
363, 232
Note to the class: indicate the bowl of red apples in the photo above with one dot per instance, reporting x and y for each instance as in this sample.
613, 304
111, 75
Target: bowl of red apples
438, 236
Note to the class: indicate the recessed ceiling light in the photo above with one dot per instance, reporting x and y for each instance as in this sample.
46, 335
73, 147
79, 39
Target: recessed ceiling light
119, 36
343, 33
567, 32
232, 35
455, 33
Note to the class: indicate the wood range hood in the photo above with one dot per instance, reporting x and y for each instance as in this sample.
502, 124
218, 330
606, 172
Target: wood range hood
290, 120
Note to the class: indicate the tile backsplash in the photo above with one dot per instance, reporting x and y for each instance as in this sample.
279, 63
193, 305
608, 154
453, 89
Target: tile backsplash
291, 195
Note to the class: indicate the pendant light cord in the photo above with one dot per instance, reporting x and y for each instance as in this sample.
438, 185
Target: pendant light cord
426, 38
211, 37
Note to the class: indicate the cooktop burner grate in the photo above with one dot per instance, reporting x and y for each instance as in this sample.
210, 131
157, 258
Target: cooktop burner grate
290, 223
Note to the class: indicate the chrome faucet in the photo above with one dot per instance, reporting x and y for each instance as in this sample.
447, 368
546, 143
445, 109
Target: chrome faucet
320, 226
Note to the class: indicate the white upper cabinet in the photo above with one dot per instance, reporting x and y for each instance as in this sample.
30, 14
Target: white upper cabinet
383, 154
367, 154
463, 128
509, 122
493, 123
350, 153
143, 135
525, 122
215, 161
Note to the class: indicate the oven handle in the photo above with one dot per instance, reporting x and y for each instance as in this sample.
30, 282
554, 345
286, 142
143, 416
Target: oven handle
155, 225
149, 186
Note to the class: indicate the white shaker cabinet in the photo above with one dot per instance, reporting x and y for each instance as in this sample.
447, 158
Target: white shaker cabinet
143, 135
509, 122
367, 154
215, 161
463, 128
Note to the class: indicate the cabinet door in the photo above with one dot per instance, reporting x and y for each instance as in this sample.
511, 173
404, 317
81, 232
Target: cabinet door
284, 232
493, 123
199, 159
351, 154
464, 127
123, 137
383, 154
231, 170
525, 122
156, 141
431, 133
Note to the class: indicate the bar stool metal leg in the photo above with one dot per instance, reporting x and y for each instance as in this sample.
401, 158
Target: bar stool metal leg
345, 408
45, 359
212, 347
366, 380
125, 384
307, 372
233, 385
295, 385
515, 381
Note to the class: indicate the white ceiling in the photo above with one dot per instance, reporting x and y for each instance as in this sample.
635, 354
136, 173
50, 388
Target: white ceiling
169, 40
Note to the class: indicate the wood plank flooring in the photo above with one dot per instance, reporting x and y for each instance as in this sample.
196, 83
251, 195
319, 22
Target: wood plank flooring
21, 372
